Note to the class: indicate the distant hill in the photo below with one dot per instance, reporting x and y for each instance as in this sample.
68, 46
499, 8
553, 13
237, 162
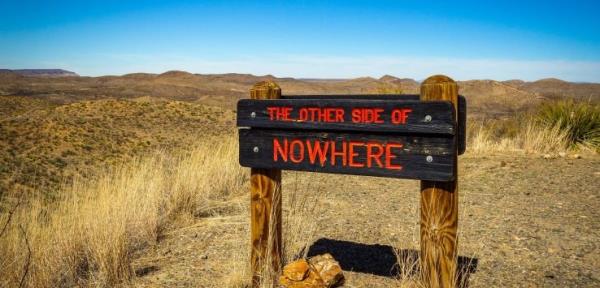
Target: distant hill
556, 88
40, 72
50, 143
493, 98
485, 97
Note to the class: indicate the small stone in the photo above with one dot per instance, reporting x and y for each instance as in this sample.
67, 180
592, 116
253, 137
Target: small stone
547, 156
329, 269
300, 274
575, 156
297, 270
562, 154
321, 271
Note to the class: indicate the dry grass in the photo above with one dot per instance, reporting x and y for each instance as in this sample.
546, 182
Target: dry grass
409, 275
42, 144
300, 227
91, 233
89, 236
553, 127
529, 138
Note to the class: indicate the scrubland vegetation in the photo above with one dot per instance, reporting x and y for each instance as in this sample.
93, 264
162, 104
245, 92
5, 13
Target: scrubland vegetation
553, 127
42, 144
89, 235
86, 186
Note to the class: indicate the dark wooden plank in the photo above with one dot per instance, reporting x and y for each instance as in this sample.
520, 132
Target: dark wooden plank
258, 147
407, 97
389, 116
462, 125
462, 108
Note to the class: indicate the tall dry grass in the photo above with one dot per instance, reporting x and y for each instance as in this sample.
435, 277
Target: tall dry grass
580, 120
552, 128
531, 137
301, 205
89, 236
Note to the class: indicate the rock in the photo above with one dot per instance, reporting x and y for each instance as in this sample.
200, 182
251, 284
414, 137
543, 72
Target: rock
562, 154
329, 269
320, 271
547, 156
297, 270
575, 156
300, 274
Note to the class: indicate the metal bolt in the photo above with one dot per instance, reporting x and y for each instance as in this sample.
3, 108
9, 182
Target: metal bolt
427, 118
255, 149
253, 114
429, 159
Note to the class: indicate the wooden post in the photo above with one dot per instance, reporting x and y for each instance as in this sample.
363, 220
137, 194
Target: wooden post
439, 205
265, 191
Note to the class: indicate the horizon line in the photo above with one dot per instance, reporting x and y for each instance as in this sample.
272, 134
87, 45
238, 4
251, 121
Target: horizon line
279, 77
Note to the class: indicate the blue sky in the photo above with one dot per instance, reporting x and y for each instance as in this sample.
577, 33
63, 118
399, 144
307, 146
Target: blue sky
316, 39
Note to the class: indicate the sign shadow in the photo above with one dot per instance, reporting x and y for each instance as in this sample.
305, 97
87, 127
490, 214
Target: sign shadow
382, 260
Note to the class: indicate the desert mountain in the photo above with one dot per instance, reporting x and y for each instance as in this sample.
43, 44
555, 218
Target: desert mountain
41, 72
556, 88
503, 98
496, 98
407, 85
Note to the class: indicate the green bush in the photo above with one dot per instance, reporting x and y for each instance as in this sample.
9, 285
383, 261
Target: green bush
581, 120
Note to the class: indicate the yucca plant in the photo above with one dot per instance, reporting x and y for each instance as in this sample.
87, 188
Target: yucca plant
581, 120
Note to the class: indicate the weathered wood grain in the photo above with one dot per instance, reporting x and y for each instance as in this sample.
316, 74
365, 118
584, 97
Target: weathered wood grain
393, 116
257, 150
439, 206
265, 206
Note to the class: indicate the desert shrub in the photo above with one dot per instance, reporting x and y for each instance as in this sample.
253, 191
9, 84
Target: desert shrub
579, 120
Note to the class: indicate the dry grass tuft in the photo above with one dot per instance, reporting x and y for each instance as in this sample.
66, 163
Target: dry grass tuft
552, 128
579, 120
531, 137
89, 236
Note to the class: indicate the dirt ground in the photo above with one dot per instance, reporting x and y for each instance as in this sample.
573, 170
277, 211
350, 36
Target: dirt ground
524, 222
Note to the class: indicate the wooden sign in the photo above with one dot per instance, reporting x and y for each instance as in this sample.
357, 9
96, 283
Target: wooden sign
402, 136
399, 156
388, 138
389, 116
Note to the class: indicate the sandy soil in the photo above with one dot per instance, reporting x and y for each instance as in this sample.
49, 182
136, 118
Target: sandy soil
524, 222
